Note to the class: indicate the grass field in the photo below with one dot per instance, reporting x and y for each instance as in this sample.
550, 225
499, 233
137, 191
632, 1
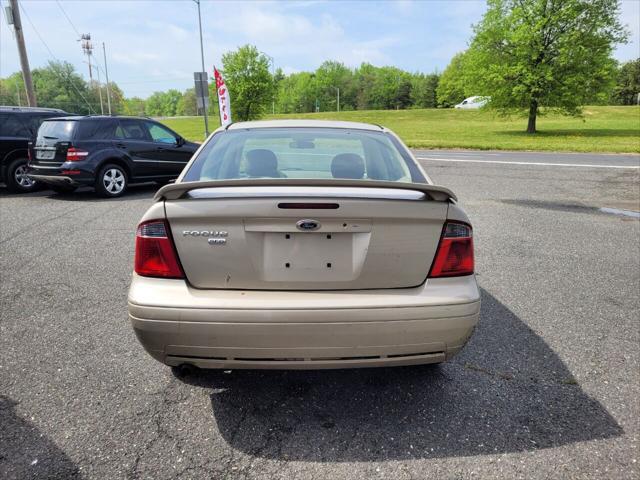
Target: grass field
601, 129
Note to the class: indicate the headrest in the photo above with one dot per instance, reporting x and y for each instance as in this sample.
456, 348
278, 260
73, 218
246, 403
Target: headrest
347, 165
262, 163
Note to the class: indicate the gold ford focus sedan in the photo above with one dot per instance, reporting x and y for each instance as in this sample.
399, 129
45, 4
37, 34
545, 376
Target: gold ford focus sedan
303, 245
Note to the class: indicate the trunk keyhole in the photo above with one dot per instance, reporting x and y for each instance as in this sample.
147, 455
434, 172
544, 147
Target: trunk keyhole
287, 264
328, 265
287, 236
329, 237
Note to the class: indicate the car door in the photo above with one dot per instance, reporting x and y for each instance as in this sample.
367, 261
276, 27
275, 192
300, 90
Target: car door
133, 140
171, 152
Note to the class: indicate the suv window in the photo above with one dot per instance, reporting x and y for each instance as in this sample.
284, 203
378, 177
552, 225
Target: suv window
12, 126
103, 129
131, 130
55, 130
160, 134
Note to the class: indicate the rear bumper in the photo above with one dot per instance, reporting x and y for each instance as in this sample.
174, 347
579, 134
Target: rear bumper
56, 180
58, 175
296, 330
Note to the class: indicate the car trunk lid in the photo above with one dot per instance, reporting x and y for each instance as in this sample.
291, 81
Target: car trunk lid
313, 237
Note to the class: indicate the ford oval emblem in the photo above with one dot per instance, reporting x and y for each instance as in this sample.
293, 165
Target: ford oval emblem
308, 225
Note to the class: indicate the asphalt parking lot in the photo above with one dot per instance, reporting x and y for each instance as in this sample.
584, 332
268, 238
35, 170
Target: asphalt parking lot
548, 387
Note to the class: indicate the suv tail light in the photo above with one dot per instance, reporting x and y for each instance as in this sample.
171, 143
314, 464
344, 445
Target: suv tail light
155, 253
454, 256
75, 154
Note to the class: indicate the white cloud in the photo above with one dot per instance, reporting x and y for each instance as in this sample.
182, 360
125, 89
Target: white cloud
309, 41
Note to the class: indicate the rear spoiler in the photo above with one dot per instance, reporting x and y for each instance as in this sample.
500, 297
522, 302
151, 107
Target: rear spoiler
178, 190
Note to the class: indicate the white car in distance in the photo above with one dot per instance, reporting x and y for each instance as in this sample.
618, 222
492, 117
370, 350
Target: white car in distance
474, 102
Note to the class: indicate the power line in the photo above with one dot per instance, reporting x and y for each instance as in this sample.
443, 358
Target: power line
53, 56
68, 19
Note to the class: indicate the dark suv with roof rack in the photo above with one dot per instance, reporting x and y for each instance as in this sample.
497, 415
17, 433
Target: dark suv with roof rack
18, 126
106, 153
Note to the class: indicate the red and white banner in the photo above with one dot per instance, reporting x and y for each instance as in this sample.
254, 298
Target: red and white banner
224, 102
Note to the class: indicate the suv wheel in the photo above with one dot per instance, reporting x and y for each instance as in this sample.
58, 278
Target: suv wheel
111, 181
17, 179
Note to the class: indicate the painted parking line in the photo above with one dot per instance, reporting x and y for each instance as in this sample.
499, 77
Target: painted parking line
543, 164
618, 211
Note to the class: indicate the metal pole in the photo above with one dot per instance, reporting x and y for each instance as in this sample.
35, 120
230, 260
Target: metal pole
22, 51
204, 104
106, 73
100, 91
338, 88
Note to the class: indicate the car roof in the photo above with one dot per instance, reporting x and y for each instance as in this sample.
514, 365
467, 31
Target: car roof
13, 109
98, 117
295, 123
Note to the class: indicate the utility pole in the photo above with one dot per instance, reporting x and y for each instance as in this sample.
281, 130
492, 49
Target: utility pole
87, 48
338, 100
204, 103
22, 51
100, 90
106, 73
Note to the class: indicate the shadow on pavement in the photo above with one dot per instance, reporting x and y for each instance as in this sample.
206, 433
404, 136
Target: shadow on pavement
506, 392
26, 453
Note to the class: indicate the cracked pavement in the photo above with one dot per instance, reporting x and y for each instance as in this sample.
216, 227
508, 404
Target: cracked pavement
548, 387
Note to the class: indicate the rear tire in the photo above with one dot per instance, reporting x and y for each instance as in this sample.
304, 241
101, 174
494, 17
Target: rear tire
17, 180
111, 181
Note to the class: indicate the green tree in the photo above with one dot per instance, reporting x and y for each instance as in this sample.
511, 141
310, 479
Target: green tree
12, 90
296, 93
58, 86
187, 105
627, 86
153, 105
365, 77
454, 86
528, 54
134, 106
423, 90
163, 104
329, 77
251, 86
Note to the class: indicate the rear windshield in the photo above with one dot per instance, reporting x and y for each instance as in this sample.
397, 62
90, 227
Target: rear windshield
56, 130
303, 153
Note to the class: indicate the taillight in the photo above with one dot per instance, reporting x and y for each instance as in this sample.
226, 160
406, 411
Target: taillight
155, 254
454, 256
75, 154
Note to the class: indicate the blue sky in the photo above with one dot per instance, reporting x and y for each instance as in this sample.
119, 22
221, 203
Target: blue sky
153, 45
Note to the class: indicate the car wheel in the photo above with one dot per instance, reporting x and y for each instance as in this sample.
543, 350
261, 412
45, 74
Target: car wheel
63, 188
111, 181
17, 179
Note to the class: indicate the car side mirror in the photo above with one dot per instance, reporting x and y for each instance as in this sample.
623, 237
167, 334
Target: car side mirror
180, 141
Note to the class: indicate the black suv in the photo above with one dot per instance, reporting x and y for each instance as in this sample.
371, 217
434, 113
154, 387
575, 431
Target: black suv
18, 126
106, 153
